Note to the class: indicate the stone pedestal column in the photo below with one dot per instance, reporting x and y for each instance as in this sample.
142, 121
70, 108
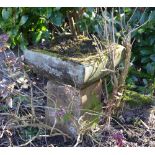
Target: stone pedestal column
66, 102
69, 100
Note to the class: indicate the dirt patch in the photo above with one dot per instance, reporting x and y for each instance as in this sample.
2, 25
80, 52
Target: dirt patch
70, 46
134, 127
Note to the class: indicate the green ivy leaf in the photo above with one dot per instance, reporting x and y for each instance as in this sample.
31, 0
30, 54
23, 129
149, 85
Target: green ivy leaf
23, 20
144, 52
152, 40
48, 12
57, 21
145, 60
152, 57
6, 13
152, 16
145, 82
150, 68
13, 32
57, 18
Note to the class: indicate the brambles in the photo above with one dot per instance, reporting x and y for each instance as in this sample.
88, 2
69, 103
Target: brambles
23, 97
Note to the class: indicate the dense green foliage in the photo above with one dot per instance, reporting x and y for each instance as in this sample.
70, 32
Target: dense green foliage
142, 71
27, 26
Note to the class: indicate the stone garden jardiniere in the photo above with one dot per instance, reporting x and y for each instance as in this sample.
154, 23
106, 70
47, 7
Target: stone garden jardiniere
74, 71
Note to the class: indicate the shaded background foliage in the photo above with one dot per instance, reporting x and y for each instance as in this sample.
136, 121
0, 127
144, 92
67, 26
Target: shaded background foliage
32, 26
142, 72
27, 26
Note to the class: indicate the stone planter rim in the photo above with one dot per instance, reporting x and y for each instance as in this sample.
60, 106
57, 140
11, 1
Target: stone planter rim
69, 70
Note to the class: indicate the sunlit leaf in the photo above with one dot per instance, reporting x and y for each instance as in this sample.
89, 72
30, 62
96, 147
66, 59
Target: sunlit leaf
5, 14
23, 20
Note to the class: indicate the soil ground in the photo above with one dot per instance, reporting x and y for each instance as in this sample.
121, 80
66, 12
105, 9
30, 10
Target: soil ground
70, 46
135, 125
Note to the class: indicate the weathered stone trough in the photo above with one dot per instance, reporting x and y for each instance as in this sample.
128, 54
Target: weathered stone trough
74, 84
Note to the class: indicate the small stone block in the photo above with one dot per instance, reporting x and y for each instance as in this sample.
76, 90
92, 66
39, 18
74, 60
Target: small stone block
65, 103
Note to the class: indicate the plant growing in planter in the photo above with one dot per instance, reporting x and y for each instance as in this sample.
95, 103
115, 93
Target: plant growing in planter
66, 56
74, 69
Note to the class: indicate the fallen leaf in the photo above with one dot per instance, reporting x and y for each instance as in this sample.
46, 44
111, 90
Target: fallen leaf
9, 102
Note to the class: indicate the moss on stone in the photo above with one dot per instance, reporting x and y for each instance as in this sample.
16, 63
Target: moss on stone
135, 99
82, 60
79, 55
47, 52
